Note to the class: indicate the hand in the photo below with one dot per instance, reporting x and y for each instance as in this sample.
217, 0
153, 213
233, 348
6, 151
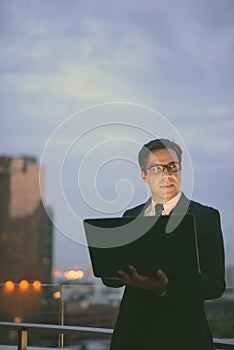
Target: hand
155, 284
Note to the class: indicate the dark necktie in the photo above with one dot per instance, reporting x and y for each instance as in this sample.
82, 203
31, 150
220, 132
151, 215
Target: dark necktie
158, 209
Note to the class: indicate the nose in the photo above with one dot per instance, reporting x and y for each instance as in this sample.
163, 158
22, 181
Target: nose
166, 172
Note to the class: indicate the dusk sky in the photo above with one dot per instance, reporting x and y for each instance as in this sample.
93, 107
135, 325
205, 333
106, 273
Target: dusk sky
85, 83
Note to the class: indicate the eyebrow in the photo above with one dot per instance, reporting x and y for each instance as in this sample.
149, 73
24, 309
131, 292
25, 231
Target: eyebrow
156, 164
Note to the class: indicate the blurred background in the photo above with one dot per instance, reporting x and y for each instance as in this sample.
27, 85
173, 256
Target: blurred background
58, 58
83, 85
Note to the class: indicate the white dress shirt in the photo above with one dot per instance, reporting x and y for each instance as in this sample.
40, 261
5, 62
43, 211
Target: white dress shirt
168, 206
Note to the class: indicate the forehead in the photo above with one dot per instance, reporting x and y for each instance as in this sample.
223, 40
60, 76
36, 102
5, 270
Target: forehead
162, 156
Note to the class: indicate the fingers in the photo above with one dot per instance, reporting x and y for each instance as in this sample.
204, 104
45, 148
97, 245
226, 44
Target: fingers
157, 284
162, 276
124, 277
127, 279
122, 274
134, 272
160, 273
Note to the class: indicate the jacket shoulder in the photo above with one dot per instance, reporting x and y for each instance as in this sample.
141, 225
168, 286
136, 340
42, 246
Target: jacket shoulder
138, 210
202, 207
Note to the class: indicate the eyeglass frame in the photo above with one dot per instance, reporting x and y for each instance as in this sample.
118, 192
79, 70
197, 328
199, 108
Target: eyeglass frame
164, 166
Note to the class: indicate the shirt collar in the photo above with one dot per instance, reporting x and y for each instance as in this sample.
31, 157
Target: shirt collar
172, 202
168, 206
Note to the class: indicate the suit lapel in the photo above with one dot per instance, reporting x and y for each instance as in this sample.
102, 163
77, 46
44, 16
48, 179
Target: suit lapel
177, 214
183, 205
141, 209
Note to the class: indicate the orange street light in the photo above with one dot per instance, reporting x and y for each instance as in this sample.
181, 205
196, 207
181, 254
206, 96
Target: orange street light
23, 285
57, 295
18, 319
37, 285
9, 286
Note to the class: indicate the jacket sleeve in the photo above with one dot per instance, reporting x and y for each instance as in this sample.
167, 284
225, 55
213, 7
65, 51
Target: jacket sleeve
210, 284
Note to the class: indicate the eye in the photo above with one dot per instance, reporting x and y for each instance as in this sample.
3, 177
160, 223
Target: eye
156, 168
173, 167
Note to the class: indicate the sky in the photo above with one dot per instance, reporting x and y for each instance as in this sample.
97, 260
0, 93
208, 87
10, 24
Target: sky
85, 83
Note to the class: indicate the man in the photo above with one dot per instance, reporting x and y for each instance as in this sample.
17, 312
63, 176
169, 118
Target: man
158, 312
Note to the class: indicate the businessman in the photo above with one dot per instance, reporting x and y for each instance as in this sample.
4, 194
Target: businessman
162, 313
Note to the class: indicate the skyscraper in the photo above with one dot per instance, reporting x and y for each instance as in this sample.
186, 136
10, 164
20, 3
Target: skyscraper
25, 229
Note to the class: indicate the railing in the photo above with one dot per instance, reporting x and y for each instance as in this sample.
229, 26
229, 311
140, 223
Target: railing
90, 332
24, 329
59, 316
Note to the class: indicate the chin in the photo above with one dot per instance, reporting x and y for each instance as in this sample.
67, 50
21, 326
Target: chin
169, 196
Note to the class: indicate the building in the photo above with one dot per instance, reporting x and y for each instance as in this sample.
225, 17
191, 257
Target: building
25, 229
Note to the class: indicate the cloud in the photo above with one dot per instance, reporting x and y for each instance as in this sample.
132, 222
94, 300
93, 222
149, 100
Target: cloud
58, 57
80, 82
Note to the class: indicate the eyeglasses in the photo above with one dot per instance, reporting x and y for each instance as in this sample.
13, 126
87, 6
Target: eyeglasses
172, 167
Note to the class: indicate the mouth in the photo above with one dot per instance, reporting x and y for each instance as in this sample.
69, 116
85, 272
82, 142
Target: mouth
167, 186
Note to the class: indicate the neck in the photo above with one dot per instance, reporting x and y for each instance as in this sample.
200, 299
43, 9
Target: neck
160, 200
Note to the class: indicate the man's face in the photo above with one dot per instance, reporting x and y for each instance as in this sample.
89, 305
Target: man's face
166, 185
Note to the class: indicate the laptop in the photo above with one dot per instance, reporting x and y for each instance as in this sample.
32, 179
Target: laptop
149, 243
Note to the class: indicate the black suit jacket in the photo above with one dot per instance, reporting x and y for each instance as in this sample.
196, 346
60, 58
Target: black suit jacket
176, 320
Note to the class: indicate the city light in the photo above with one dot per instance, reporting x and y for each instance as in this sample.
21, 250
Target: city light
37, 285
23, 285
57, 273
73, 274
9, 286
57, 295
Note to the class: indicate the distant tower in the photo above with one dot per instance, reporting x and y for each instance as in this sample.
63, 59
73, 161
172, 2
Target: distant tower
25, 229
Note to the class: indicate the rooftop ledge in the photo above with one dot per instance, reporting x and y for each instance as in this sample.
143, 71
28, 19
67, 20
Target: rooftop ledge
24, 328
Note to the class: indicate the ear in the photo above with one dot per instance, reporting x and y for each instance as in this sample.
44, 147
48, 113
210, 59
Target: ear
143, 176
